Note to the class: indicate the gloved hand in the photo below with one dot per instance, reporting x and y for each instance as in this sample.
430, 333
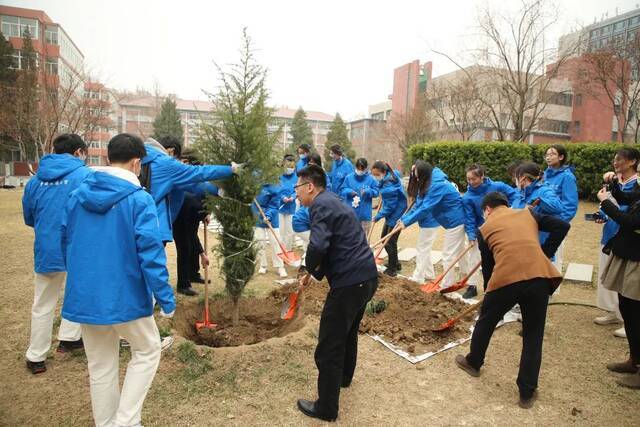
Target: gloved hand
220, 192
167, 315
236, 167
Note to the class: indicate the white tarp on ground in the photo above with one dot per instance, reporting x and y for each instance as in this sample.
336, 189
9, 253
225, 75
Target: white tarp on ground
579, 272
407, 254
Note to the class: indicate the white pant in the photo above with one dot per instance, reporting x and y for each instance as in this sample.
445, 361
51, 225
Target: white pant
424, 264
286, 231
48, 288
266, 241
558, 257
454, 244
102, 346
607, 300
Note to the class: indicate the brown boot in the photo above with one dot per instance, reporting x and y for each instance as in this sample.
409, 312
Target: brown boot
630, 381
628, 367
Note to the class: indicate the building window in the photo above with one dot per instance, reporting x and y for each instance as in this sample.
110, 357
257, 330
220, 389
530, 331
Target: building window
576, 127
51, 66
94, 160
19, 60
13, 26
557, 98
51, 35
555, 126
618, 26
634, 21
578, 100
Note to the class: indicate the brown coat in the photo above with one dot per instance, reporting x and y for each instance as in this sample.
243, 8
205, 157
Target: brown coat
512, 237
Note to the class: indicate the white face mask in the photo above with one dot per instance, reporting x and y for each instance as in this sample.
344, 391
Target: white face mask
378, 178
303, 156
289, 171
359, 172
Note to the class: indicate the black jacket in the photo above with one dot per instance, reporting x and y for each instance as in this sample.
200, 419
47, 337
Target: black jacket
626, 242
338, 247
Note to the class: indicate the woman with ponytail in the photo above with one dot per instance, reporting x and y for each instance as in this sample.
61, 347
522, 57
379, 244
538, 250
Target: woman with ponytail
394, 203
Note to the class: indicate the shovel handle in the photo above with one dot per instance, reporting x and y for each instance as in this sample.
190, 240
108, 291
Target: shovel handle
266, 221
374, 224
455, 261
470, 273
206, 276
466, 311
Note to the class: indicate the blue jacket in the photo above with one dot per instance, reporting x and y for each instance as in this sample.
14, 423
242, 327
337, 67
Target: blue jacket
563, 182
301, 221
301, 163
202, 189
269, 200
441, 200
114, 253
168, 174
339, 171
177, 195
611, 227
287, 182
43, 203
365, 187
550, 204
394, 201
472, 202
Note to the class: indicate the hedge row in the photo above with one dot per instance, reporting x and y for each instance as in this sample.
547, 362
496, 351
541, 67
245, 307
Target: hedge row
590, 160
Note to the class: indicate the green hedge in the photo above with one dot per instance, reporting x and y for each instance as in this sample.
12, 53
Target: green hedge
590, 160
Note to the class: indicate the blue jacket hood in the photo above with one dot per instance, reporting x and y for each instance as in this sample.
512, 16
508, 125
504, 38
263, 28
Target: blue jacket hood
480, 189
152, 154
101, 191
55, 166
551, 172
438, 175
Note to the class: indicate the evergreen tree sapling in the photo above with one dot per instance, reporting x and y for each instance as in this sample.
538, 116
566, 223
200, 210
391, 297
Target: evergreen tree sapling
167, 122
239, 132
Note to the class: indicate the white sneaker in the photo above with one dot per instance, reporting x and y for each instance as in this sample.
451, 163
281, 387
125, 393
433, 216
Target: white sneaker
263, 270
608, 319
620, 333
282, 272
417, 279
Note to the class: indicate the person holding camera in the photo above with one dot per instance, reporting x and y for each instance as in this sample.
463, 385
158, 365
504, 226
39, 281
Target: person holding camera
622, 272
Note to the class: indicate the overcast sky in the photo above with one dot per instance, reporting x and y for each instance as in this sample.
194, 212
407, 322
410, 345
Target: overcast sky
330, 56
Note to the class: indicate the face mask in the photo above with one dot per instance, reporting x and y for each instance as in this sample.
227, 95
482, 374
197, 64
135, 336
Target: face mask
334, 156
359, 172
303, 156
289, 171
378, 178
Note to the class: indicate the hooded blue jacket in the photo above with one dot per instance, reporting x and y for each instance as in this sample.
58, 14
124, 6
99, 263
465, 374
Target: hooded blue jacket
43, 204
301, 163
365, 187
441, 200
610, 227
394, 201
114, 253
301, 221
563, 182
287, 184
269, 200
549, 204
472, 202
339, 171
168, 174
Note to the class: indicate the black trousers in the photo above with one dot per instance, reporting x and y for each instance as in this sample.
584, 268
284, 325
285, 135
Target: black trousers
194, 254
337, 349
533, 297
630, 311
182, 241
391, 247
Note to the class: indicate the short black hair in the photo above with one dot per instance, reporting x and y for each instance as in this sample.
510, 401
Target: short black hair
314, 174
361, 163
305, 147
493, 200
315, 159
630, 154
124, 147
476, 168
513, 167
68, 143
190, 156
172, 142
562, 151
288, 158
336, 149
530, 170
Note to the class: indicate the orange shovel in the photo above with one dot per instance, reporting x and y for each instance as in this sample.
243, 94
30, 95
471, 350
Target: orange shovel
449, 323
288, 257
206, 323
290, 305
430, 287
462, 283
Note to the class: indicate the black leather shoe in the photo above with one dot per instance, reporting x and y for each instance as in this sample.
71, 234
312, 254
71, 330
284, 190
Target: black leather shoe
463, 364
187, 291
198, 279
391, 273
69, 346
308, 408
345, 383
527, 402
36, 367
471, 292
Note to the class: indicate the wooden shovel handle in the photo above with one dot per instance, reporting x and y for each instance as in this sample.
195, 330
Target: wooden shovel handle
266, 221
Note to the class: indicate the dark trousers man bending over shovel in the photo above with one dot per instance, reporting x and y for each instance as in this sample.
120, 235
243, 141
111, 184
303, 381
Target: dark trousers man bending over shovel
337, 249
516, 269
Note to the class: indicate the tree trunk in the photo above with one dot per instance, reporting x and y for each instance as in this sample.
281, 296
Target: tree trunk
236, 311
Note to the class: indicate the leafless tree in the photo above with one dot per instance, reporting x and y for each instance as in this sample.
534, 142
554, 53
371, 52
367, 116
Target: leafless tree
413, 127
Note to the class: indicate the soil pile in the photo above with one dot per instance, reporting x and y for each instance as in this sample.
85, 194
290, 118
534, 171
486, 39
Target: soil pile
409, 316
259, 321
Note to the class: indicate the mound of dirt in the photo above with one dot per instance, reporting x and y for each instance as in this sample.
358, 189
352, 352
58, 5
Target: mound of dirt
409, 316
259, 321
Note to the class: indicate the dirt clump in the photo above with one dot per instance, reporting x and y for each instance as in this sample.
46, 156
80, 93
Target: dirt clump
408, 318
259, 321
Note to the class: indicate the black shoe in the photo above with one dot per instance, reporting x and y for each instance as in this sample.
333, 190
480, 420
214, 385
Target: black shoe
308, 408
398, 267
527, 402
198, 279
471, 292
345, 383
187, 291
36, 367
463, 364
69, 346
391, 273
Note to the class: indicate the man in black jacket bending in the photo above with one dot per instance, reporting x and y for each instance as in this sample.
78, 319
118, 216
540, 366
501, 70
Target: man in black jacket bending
337, 249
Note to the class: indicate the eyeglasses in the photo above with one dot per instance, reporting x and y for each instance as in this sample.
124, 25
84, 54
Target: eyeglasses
295, 187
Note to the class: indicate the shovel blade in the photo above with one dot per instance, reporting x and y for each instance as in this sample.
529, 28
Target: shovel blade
446, 325
455, 287
430, 287
290, 306
207, 325
290, 258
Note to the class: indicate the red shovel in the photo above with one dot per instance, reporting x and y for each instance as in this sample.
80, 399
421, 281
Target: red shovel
288, 257
462, 283
206, 323
430, 287
290, 305
449, 323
